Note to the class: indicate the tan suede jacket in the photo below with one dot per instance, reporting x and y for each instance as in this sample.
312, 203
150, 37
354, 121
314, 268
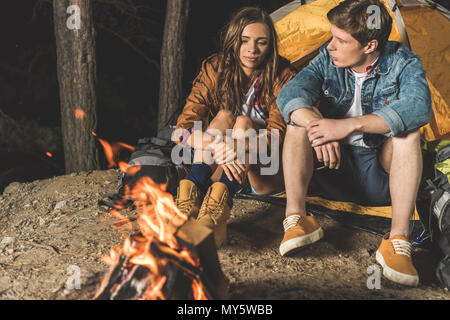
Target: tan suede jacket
202, 97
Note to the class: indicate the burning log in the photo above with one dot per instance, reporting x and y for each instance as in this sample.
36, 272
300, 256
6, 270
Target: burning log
170, 258
181, 280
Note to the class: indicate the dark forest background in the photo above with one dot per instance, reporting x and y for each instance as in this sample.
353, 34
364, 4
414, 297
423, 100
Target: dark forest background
128, 44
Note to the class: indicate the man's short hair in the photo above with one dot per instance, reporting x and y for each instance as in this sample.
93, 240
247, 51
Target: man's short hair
363, 22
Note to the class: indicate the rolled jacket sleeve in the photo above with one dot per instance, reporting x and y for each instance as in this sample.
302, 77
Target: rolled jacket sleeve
412, 109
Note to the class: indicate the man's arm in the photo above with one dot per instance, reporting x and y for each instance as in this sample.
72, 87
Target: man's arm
326, 130
304, 89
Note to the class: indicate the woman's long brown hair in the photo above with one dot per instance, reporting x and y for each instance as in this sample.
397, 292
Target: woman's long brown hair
230, 76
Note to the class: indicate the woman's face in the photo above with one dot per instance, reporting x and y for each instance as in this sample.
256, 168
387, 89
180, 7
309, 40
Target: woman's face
255, 43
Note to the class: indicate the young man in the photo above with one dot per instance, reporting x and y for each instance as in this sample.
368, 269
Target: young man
373, 99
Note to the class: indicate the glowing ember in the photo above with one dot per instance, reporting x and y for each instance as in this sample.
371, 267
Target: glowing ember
48, 154
79, 113
156, 247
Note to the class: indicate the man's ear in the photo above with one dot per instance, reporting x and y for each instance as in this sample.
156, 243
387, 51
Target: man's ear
371, 46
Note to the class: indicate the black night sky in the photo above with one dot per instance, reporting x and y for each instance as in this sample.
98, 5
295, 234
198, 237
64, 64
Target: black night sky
127, 84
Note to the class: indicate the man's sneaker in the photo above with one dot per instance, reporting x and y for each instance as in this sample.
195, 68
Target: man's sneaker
215, 211
188, 198
394, 255
299, 231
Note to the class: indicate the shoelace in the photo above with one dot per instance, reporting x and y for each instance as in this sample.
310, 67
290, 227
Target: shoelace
184, 205
401, 247
291, 221
213, 208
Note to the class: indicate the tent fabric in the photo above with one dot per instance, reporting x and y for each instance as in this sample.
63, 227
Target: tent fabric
304, 28
431, 42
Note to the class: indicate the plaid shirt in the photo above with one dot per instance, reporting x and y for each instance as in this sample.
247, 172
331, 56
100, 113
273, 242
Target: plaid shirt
258, 102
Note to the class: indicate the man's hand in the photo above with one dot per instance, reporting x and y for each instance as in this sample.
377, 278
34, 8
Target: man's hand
329, 154
323, 131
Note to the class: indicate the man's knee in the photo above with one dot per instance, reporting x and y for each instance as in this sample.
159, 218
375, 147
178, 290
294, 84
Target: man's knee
296, 131
407, 142
409, 139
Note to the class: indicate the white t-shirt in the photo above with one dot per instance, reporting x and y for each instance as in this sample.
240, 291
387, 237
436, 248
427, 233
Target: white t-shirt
248, 108
356, 138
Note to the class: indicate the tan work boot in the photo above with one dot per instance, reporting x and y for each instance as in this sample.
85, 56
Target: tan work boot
299, 231
215, 211
188, 198
394, 255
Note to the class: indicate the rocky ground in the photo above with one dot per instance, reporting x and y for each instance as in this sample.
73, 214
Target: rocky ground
52, 230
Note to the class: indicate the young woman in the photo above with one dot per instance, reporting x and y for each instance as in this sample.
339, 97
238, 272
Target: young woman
235, 90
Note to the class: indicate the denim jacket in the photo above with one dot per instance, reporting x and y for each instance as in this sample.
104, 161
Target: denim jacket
396, 91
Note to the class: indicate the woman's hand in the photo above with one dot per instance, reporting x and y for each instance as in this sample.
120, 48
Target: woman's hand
224, 151
235, 170
225, 154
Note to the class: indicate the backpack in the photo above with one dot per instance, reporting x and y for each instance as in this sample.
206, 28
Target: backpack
154, 156
436, 220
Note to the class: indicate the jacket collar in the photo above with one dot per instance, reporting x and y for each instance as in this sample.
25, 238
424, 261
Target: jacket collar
386, 58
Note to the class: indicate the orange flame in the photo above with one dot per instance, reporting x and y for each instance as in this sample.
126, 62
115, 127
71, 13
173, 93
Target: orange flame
111, 151
158, 220
48, 154
197, 289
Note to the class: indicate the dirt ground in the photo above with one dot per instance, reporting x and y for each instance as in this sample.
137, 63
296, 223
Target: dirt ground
51, 229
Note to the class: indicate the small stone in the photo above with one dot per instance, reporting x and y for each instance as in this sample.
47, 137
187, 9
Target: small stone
41, 221
6, 242
60, 204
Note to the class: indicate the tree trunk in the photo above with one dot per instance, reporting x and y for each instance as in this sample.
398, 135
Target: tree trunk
172, 60
75, 49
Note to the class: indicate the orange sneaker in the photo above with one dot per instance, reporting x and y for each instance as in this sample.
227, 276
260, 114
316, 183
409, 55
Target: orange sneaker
299, 231
394, 255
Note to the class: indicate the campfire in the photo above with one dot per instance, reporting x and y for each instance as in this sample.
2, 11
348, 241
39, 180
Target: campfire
170, 257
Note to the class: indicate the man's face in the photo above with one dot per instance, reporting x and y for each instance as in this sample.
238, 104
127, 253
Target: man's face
345, 50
